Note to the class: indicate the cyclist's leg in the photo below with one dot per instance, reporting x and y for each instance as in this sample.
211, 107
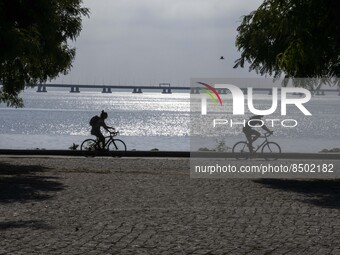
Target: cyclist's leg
99, 136
101, 140
248, 136
255, 135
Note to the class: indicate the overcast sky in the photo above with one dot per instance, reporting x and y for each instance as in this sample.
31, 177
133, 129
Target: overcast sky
130, 42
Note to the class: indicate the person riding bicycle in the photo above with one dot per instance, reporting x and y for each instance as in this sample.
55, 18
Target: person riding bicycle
97, 122
252, 134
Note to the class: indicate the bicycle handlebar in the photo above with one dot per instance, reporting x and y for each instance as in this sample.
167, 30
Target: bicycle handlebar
267, 134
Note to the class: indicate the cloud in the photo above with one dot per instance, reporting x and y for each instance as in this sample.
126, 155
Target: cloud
145, 40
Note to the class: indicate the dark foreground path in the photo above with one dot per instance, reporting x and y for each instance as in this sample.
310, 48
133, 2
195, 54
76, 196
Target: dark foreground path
151, 206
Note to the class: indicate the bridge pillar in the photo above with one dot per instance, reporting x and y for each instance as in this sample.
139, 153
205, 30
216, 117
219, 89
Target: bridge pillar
166, 91
194, 91
106, 90
41, 88
137, 90
320, 93
222, 91
74, 89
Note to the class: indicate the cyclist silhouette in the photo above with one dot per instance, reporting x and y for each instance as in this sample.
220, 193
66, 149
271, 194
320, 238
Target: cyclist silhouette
252, 134
97, 122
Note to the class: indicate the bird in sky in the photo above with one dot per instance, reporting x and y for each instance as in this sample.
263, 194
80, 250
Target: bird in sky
221, 57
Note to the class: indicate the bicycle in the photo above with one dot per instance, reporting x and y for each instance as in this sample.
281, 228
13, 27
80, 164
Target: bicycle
111, 144
270, 148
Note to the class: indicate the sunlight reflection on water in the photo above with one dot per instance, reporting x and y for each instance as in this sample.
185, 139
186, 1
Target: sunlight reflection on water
61, 113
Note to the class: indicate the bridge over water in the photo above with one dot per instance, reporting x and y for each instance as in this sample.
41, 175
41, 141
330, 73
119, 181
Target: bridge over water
164, 88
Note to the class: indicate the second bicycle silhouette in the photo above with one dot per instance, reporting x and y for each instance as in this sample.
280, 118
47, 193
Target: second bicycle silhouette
270, 149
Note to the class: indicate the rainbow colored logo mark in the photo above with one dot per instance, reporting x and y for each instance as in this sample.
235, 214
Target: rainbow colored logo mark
209, 90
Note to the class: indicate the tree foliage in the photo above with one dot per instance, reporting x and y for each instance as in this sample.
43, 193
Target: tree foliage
294, 38
34, 42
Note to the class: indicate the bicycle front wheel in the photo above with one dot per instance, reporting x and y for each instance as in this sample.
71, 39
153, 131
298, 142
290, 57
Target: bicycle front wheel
242, 149
273, 149
89, 145
117, 145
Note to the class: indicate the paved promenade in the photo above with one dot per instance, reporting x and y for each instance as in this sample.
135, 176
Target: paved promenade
151, 206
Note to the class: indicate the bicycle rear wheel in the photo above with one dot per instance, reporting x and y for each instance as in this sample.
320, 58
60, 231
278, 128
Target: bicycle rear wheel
273, 149
89, 145
242, 149
117, 145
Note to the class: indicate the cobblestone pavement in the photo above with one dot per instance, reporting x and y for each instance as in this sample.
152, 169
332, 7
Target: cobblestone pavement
151, 206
